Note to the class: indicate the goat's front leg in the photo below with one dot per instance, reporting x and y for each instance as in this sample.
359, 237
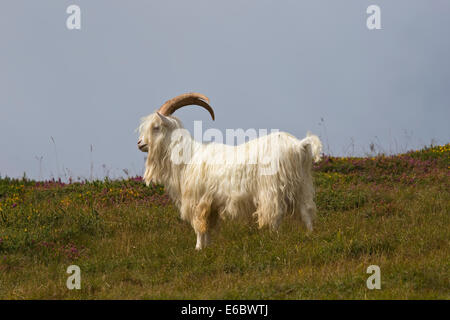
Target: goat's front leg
202, 240
201, 225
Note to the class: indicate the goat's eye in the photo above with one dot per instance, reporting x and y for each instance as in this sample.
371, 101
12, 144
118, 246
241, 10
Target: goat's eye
156, 128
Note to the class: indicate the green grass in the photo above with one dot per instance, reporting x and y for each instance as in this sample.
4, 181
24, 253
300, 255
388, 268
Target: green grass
131, 244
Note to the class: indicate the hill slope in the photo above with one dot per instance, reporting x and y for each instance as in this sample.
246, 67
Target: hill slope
130, 242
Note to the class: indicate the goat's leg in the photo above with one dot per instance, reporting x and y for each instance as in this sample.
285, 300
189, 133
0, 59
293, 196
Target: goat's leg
308, 206
202, 241
269, 211
201, 224
308, 213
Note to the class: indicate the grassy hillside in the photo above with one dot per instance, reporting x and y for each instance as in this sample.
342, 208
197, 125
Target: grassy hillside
130, 242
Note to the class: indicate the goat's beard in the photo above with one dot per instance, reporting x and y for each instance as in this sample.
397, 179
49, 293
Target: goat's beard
157, 165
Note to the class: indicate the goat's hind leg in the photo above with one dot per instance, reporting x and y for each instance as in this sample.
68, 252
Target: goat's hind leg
308, 213
269, 211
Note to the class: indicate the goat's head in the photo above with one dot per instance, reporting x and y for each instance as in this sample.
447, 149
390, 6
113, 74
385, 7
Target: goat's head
156, 129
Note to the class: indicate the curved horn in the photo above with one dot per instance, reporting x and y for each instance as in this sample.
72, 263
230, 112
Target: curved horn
186, 99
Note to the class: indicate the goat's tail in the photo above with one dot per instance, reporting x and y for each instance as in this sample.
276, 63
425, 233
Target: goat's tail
312, 142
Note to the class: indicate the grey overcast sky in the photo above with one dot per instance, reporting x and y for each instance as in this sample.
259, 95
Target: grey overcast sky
264, 64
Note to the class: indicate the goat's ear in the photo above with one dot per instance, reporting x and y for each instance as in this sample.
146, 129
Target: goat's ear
164, 119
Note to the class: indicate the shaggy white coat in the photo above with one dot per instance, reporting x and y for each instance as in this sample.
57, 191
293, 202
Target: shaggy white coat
267, 178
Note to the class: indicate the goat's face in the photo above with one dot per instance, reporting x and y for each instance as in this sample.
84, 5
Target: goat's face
155, 131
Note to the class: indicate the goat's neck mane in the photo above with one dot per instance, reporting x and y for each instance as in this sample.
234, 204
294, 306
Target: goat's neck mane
160, 168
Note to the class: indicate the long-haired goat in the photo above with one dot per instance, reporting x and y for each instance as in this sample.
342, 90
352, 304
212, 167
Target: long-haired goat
267, 177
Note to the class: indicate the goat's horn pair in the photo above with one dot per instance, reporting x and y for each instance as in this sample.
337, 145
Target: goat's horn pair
186, 99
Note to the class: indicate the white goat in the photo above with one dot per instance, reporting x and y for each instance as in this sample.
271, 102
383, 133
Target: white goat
266, 177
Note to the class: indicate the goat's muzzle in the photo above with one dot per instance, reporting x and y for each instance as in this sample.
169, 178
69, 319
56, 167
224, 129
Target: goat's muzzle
142, 146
